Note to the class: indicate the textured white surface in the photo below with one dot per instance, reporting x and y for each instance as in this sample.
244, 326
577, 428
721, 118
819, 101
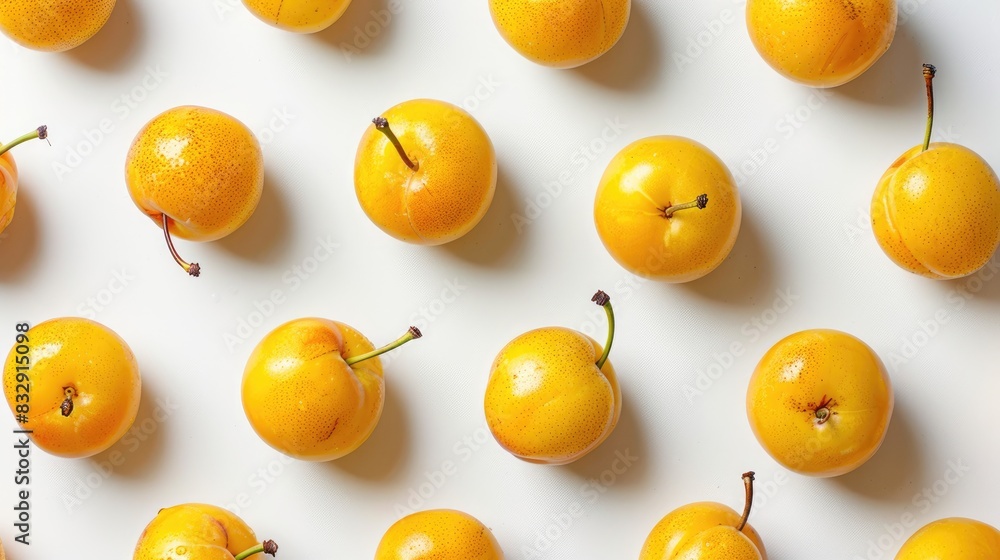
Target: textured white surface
805, 233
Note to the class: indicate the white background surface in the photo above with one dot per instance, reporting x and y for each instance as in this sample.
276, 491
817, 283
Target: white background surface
805, 231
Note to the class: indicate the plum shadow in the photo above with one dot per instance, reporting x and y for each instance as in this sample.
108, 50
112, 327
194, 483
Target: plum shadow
495, 241
897, 468
264, 238
628, 438
116, 44
983, 286
22, 240
895, 80
381, 457
746, 276
345, 31
635, 62
142, 451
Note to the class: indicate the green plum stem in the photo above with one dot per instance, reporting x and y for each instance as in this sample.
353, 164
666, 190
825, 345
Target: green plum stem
194, 269
929, 72
382, 125
267, 547
41, 132
604, 300
748, 478
700, 203
411, 334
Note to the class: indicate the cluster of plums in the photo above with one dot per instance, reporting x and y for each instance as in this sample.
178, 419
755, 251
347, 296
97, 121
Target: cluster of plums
667, 208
